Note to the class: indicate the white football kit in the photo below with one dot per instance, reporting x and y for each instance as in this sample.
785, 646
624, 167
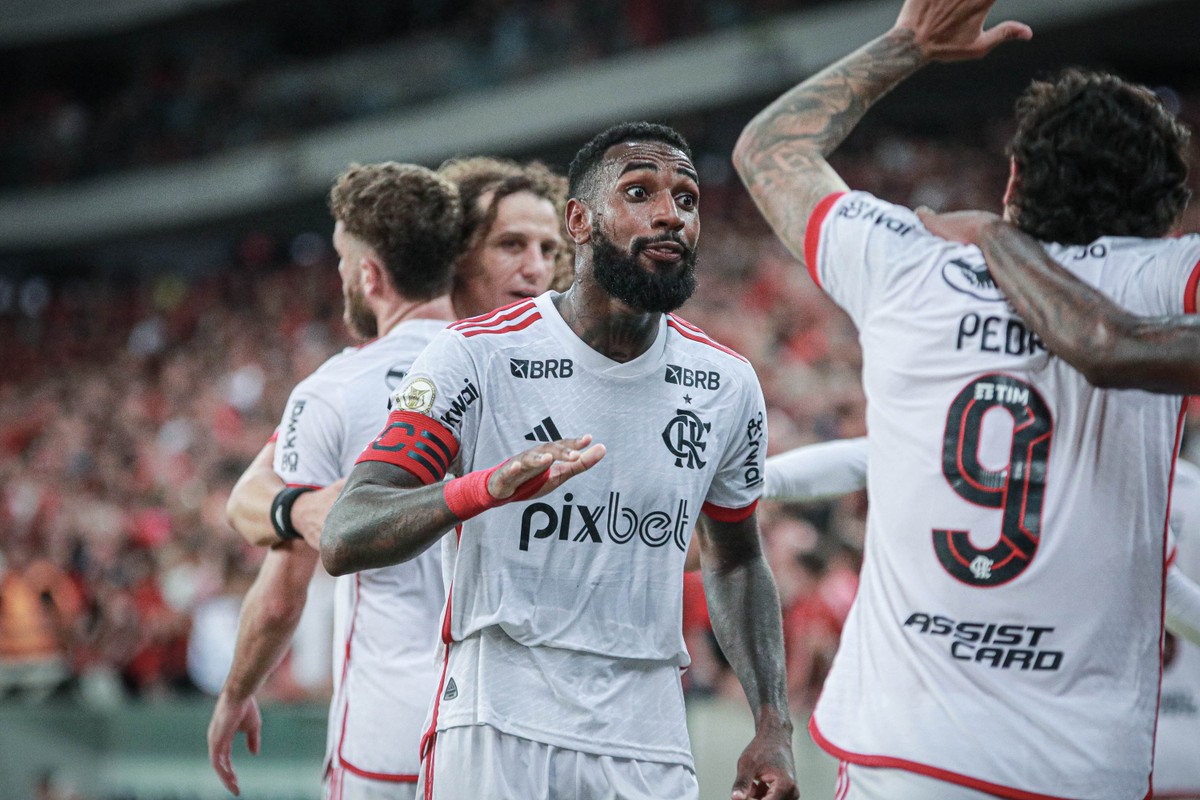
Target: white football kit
564, 619
1006, 633
1176, 766
385, 620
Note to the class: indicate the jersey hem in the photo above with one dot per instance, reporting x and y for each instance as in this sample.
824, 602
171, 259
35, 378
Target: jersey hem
634, 753
927, 770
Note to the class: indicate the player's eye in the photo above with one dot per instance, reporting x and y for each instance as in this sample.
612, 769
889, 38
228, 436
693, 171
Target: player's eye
637, 192
687, 200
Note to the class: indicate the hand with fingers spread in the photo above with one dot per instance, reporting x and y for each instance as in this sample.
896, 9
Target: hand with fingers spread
559, 461
952, 30
229, 717
532, 473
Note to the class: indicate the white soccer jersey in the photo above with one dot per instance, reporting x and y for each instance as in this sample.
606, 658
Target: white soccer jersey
385, 620
1007, 626
565, 612
1176, 766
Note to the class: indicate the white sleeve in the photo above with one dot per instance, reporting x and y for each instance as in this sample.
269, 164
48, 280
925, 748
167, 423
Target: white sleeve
817, 471
1183, 605
308, 450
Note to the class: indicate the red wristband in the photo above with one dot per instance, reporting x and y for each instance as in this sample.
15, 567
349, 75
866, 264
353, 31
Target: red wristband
468, 496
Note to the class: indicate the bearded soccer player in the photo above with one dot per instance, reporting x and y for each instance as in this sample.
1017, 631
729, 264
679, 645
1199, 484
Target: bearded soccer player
562, 635
385, 620
1005, 640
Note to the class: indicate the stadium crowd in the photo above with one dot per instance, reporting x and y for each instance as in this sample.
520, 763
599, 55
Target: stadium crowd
267, 70
127, 412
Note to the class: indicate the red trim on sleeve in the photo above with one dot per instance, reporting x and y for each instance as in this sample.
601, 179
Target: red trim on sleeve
416, 443
305, 486
274, 437
812, 233
1189, 292
722, 514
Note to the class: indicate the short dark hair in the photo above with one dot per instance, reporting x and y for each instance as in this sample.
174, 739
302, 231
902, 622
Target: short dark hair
591, 155
1096, 156
410, 216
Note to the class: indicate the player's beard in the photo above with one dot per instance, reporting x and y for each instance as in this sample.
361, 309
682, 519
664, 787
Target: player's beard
360, 319
620, 274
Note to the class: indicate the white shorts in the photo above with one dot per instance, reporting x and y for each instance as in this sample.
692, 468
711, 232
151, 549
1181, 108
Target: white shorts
478, 761
856, 782
341, 784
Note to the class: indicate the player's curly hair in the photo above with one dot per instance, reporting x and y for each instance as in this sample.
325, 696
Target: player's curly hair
410, 216
583, 167
478, 175
1096, 156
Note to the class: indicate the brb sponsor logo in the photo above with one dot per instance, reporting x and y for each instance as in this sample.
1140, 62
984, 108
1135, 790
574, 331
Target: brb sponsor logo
611, 520
992, 644
545, 368
684, 437
290, 457
693, 378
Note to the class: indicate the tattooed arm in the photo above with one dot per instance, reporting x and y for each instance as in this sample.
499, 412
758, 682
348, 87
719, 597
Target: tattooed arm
781, 155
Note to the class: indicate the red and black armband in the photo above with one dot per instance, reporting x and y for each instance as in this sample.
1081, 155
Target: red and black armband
416, 443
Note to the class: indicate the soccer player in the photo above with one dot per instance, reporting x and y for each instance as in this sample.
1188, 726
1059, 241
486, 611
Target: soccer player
386, 619
1005, 638
562, 636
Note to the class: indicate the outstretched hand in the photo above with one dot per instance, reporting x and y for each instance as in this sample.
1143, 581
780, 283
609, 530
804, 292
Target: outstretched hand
229, 717
958, 226
767, 768
564, 459
952, 30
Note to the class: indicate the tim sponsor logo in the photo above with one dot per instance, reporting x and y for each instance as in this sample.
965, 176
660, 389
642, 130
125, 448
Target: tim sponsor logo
609, 521
693, 378
545, 368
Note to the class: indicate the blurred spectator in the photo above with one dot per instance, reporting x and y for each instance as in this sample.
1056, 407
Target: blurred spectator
38, 610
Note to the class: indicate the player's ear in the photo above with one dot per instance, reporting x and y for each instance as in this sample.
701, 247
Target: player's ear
372, 274
1014, 180
579, 221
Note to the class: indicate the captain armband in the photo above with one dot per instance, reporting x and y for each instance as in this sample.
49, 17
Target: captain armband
416, 443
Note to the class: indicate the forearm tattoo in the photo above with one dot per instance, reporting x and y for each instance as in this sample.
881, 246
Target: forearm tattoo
792, 137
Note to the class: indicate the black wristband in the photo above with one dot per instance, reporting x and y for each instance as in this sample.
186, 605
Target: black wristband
281, 512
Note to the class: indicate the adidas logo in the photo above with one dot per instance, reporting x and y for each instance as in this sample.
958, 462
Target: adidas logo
451, 690
545, 432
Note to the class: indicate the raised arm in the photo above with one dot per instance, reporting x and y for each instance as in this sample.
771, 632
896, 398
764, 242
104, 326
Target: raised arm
248, 509
781, 155
743, 605
1112, 347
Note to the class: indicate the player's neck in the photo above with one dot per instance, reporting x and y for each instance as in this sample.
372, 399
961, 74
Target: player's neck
390, 315
605, 324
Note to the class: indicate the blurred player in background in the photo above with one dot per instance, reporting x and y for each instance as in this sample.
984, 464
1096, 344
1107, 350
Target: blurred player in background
512, 248
562, 633
397, 235
999, 647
